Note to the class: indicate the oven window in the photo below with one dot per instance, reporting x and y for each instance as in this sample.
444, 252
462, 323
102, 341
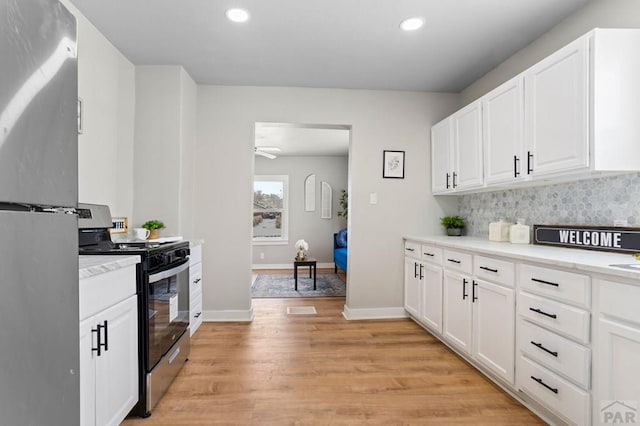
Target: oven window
168, 313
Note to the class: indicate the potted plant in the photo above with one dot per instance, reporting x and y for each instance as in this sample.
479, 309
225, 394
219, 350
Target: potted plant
344, 205
453, 224
154, 226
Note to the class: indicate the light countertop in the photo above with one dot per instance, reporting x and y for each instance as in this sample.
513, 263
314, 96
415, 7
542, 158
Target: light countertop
91, 265
580, 260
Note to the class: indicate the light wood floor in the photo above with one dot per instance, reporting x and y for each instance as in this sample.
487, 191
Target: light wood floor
323, 370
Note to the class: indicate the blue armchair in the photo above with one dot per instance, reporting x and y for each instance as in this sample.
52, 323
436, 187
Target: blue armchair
340, 251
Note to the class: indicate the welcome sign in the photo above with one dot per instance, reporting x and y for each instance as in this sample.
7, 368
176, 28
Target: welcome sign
603, 238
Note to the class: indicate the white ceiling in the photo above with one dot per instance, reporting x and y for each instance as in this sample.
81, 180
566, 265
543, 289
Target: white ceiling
351, 44
303, 140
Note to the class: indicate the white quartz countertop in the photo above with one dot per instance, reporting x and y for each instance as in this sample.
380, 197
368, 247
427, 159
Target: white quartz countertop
95, 264
581, 260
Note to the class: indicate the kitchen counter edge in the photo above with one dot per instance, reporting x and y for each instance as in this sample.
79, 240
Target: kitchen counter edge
92, 265
581, 260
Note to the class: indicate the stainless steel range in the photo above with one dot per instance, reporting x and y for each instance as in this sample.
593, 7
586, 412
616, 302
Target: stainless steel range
163, 301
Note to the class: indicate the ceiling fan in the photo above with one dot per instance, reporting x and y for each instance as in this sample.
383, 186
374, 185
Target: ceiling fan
262, 151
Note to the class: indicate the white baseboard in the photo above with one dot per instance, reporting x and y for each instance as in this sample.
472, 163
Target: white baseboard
373, 313
287, 265
228, 315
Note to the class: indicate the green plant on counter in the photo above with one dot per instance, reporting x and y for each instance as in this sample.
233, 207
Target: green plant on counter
455, 222
153, 224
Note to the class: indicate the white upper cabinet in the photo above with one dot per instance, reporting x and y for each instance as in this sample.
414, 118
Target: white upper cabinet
441, 157
467, 147
557, 111
502, 125
568, 117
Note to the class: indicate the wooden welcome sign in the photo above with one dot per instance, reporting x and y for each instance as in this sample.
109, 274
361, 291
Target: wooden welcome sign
602, 238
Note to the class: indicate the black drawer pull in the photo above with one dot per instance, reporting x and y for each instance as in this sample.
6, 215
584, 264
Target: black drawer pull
429, 254
538, 311
410, 249
488, 269
454, 260
529, 158
516, 160
98, 338
421, 274
539, 346
554, 390
464, 289
448, 180
197, 280
415, 270
473, 291
545, 282
197, 315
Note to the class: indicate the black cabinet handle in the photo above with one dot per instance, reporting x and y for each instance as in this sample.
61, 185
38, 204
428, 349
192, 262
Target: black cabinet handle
538, 311
516, 160
488, 269
429, 254
545, 282
447, 180
197, 315
529, 158
410, 249
421, 267
415, 270
99, 339
454, 260
554, 390
464, 289
473, 291
539, 346
197, 280
106, 335
455, 185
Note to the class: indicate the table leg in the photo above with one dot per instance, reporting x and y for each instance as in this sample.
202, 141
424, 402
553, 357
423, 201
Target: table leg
315, 268
295, 276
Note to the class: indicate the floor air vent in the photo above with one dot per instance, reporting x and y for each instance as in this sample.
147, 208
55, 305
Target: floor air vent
301, 310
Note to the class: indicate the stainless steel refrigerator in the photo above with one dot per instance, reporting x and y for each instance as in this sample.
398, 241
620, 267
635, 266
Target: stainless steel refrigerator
39, 359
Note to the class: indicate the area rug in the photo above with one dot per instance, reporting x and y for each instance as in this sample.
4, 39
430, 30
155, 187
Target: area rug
282, 286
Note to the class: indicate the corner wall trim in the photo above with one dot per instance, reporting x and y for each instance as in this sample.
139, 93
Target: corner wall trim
229, 315
373, 313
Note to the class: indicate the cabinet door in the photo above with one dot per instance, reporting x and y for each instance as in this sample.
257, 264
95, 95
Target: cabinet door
441, 160
456, 327
117, 367
617, 361
502, 125
557, 111
467, 147
412, 271
88, 340
431, 314
494, 328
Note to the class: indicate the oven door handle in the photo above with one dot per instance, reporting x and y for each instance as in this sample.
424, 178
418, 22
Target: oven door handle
169, 272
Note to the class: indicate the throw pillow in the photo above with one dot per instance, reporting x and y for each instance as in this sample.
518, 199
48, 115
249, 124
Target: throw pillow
341, 238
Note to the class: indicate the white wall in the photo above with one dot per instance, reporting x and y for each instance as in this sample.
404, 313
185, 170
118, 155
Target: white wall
164, 142
106, 84
597, 13
309, 226
380, 120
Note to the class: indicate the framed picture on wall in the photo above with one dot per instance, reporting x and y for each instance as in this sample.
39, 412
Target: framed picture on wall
393, 164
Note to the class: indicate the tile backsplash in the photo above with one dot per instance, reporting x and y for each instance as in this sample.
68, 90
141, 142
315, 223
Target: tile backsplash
597, 201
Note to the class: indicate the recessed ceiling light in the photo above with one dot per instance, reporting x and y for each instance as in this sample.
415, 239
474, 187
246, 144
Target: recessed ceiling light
238, 15
412, 24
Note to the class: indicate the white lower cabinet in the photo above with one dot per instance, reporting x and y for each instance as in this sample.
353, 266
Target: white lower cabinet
108, 350
195, 288
431, 306
457, 310
412, 286
617, 352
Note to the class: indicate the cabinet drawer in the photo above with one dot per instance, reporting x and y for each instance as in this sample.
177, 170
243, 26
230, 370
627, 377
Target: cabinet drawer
412, 249
565, 319
431, 254
619, 300
555, 352
458, 261
561, 285
99, 292
196, 305
497, 271
195, 277
195, 254
564, 398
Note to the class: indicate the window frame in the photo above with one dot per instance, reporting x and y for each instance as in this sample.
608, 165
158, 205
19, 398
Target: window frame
284, 221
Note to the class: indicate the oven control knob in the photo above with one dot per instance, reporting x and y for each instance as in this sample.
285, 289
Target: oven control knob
182, 253
166, 259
